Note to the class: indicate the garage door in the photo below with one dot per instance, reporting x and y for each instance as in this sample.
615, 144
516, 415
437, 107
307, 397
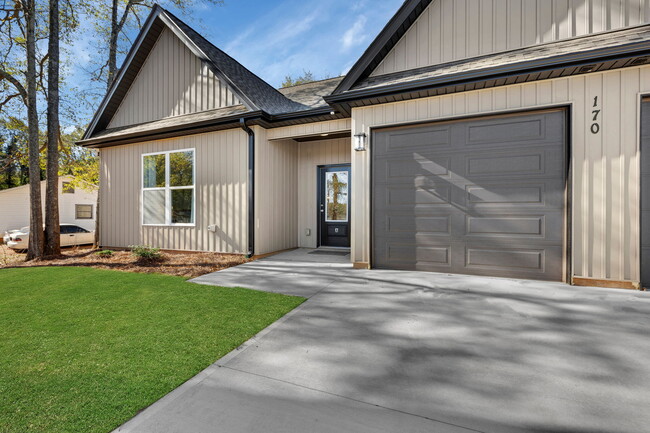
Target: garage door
483, 196
645, 194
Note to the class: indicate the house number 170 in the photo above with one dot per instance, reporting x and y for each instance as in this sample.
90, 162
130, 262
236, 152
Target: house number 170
595, 127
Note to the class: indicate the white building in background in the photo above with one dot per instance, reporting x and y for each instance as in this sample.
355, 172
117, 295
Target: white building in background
76, 205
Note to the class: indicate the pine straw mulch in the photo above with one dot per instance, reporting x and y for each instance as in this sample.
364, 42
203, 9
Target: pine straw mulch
187, 265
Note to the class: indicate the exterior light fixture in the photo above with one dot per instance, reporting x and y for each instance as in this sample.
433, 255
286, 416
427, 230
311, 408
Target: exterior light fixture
360, 142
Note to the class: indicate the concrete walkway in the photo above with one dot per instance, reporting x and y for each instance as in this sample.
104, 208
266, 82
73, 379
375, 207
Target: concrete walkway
390, 351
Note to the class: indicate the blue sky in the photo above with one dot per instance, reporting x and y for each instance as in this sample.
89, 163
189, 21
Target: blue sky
272, 38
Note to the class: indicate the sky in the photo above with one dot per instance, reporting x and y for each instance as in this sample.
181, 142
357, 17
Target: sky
272, 38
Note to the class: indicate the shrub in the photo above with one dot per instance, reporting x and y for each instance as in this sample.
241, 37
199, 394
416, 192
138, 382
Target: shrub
146, 253
105, 253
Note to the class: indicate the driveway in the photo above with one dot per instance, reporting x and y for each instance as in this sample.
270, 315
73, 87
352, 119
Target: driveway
392, 351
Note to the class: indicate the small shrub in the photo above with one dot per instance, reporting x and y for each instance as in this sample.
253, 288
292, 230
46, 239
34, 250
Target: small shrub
146, 253
105, 254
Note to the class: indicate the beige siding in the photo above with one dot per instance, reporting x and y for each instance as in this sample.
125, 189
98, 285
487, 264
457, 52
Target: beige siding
276, 193
450, 30
605, 187
221, 173
172, 82
332, 126
311, 155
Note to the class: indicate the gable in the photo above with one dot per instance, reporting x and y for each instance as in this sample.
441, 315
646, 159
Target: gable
451, 30
171, 82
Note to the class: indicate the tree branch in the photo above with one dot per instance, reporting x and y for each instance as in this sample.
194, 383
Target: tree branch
17, 84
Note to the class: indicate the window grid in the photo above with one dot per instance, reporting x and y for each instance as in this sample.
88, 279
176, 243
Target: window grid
168, 189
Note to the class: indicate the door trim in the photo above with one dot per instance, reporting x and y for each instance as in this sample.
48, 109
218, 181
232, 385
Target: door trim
319, 190
568, 199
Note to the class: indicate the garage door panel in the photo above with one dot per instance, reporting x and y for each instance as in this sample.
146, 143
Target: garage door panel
645, 194
413, 167
409, 224
490, 202
404, 253
404, 140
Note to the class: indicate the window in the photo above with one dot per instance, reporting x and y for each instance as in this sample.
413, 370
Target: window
67, 188
336, 202
83, 211
168, 188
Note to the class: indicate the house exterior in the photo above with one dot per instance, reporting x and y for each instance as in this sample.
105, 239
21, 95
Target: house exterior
76, 205
501, 138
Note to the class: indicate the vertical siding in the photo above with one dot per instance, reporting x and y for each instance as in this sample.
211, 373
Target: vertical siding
276, 193
605, 185
451, 30
311, 154
327, 127
221, 173
171, 82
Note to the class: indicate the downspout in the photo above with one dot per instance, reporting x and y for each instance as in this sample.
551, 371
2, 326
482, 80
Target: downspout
251, 187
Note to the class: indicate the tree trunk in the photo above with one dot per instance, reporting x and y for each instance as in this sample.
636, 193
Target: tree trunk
35, 250
11, 168
52, 228
112, 45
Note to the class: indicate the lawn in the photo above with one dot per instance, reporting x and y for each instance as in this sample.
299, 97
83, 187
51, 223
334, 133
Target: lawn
82, 350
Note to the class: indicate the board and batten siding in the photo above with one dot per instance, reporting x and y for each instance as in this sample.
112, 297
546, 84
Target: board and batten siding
450, 30
605, 196
311, 154
221, 197
172, 82
307, 129
276, 191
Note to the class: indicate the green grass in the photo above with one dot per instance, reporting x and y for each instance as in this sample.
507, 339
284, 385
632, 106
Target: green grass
82, 350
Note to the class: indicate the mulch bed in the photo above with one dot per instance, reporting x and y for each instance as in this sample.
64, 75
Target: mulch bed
187, 265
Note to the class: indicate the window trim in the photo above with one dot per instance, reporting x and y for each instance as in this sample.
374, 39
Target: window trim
168, 189
76, 211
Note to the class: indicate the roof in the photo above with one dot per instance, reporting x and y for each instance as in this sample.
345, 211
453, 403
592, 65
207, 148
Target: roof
262, 95
390, 35
187, 121
590, 53
255, 93
538, 53
311, 94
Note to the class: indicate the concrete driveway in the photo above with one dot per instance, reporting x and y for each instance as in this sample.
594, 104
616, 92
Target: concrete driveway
390, 351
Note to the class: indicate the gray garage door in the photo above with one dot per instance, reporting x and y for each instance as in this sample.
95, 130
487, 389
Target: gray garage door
483, 196
645, 194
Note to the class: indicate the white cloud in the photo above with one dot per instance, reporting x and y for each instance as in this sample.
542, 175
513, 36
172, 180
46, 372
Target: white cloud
355, 34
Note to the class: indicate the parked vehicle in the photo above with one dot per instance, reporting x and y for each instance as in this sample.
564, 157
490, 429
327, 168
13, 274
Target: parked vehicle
71, 235
8, 233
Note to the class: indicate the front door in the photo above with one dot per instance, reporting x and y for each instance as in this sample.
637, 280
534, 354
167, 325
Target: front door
334, 205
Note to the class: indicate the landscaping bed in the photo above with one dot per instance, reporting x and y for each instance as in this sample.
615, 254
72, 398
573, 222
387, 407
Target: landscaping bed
187, 265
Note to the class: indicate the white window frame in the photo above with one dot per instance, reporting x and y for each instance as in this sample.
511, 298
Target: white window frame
168, 189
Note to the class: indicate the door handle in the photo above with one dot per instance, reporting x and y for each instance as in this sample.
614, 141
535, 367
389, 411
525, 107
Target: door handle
322, 208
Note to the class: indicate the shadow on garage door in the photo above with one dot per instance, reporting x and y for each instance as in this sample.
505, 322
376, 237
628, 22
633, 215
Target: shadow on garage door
483, 196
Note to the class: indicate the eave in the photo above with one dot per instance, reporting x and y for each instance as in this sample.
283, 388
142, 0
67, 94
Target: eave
548, 68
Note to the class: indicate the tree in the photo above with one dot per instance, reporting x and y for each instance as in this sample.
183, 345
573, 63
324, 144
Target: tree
35, 249
52, 228
306, 77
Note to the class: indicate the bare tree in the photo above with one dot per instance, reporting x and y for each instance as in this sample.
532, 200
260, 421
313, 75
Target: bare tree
52, 227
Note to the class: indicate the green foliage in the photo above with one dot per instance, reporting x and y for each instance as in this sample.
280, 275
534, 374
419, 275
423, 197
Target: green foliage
104, 253
83, 350
306, 77
146, 253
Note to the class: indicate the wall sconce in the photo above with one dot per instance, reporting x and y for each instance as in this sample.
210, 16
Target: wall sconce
360, 142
